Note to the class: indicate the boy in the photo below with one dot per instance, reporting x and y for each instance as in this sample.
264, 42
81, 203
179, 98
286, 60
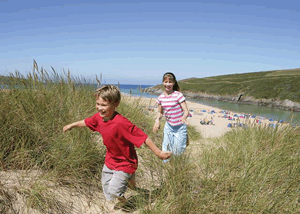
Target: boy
119, 136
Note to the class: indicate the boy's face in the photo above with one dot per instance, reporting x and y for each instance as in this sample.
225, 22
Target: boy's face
105, 108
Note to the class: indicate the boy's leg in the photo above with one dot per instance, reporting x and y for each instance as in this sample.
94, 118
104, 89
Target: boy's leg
114, 185
105, 180
118, 184
132, 183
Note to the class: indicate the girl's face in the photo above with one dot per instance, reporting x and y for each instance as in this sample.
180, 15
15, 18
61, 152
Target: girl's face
168, 84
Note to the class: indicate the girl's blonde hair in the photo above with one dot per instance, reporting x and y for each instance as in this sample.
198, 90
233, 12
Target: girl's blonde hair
173, 78
109, 93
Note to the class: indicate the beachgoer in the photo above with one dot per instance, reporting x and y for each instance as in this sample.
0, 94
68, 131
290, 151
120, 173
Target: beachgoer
120, 137
171, 104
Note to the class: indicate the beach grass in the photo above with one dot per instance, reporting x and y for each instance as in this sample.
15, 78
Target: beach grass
253, 170
43, 170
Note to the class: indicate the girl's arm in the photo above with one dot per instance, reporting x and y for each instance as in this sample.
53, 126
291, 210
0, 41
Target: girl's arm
185, 113
80, 123
158, 117
157, 151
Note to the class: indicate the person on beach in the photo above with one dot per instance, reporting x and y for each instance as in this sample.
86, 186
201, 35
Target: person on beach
120, 137
171, 104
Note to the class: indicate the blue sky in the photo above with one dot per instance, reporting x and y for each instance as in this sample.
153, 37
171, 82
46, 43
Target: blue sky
136, 42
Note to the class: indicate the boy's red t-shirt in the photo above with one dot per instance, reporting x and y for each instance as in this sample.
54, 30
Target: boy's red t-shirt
119, 136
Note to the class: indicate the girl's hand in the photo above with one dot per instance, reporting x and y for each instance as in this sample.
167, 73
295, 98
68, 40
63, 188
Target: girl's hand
164, 155
156, 126
183, 120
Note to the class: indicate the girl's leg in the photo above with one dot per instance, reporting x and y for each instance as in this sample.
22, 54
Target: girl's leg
168, 138
180, 139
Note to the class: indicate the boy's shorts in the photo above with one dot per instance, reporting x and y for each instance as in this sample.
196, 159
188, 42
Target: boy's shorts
114, 183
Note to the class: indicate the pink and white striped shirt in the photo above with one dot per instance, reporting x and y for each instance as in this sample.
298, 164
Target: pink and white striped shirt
171, 107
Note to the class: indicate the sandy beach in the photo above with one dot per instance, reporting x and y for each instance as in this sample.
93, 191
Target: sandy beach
220, 119
217, 129
219, 126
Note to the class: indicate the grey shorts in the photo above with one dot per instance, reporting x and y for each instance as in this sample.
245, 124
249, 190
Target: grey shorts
114, 183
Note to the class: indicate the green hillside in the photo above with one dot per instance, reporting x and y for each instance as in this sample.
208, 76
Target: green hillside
280, 84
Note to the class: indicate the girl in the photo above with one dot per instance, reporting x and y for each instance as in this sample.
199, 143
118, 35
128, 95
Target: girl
172, 105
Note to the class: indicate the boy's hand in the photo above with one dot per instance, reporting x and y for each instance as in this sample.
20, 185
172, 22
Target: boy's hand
80, 123
164, 155
67, 127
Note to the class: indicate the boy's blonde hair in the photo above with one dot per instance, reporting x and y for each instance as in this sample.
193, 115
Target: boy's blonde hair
109, 93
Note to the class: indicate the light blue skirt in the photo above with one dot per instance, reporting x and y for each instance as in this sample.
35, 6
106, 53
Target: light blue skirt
175, 138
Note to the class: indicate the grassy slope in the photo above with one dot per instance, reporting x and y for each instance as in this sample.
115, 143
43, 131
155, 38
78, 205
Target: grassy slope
281, 84
253, 170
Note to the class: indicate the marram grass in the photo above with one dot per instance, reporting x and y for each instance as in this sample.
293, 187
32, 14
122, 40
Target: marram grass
253, 170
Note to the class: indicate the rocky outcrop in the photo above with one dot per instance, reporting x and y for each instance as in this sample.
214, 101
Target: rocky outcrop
240, 98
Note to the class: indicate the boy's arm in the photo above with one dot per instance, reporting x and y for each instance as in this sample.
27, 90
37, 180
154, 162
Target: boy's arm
157, 151
80, 123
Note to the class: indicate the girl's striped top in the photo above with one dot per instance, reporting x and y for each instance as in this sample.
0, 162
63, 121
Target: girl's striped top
171, 107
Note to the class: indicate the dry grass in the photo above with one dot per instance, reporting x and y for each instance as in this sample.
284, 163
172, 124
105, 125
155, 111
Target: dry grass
254, 170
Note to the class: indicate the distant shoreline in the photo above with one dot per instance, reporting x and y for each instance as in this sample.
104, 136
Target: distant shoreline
279, 116
287, 105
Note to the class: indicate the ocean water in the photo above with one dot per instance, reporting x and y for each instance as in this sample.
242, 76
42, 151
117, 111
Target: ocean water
261, 111
135, 90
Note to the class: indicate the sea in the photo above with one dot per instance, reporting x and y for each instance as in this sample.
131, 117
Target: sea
260, 111
135, 90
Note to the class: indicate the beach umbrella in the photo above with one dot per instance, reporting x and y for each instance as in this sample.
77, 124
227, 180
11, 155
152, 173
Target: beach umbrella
229, 125
271, 120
